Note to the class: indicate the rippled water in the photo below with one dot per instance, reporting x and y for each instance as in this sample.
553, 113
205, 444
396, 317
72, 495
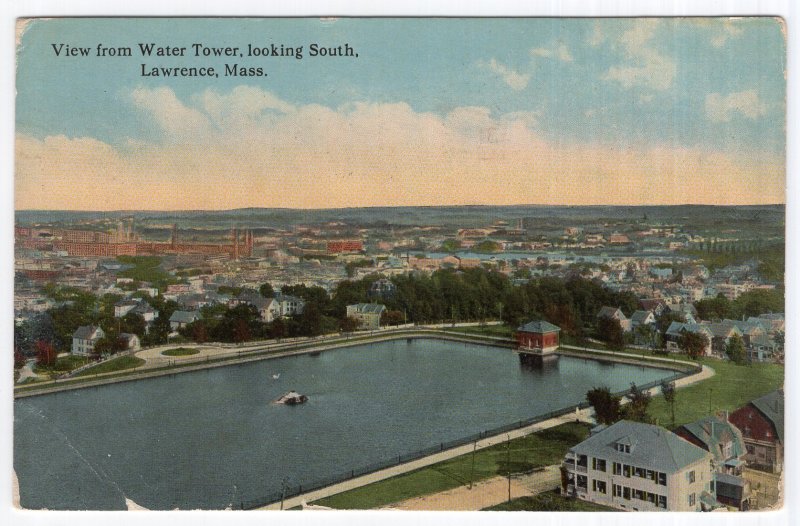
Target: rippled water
212, 439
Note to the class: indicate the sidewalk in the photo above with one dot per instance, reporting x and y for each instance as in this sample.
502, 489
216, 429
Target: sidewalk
584, 416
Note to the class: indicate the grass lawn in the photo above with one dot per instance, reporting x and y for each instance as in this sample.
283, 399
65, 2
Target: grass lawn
539, 449
548, 501
730, 388
180, 351
115, 364
62, 365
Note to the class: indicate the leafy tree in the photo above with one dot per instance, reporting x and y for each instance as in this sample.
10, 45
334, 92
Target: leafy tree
717, 308
668, 391
392, 317
606, 406
46, 354
665, 320
348, 324
735, 350
133, 323
266, 290
610, 331
277, 329
19, 358
694, 344
636, 408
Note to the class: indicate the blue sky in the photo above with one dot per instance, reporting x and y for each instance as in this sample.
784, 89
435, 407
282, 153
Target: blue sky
698, 91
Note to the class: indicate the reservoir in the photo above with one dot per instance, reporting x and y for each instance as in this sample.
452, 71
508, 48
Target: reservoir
212, 439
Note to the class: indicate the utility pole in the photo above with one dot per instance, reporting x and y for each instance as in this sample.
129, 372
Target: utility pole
283, 492
508, 464
472, 470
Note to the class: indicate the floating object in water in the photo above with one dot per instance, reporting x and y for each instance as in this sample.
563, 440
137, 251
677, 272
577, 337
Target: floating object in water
276, 376
292, 398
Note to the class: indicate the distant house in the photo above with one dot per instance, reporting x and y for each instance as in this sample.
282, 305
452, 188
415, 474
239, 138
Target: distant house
367, 314
639, 467
615, 313
539, 336
721, 334
676, 329
724, 441
182, 318
382, 289
132, 342
642, 317
687, 310
123, 307
290, 305
656, 305
85, 338
761, 424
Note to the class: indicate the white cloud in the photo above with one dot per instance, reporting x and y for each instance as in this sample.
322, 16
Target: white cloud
728, 30
365, 154
721, 108
559, 51
647, 66
596, 37
515, 80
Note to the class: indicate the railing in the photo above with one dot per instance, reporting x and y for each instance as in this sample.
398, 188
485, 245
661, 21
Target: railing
402, 458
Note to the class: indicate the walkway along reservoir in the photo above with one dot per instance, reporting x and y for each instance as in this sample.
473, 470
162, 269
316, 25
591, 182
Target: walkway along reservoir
211, 439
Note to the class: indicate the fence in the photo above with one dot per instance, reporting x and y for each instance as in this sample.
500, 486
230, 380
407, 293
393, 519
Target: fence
403, 458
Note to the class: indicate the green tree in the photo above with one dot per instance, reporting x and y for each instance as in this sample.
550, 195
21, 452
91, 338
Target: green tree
735, 350
266, 290
668, 391
606, 406
610, 331
638, 402
694, 344
348, 324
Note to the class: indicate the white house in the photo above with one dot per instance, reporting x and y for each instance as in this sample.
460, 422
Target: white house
85, 338
367, 314
640, 467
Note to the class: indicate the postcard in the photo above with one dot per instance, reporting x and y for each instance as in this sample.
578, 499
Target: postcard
353, 263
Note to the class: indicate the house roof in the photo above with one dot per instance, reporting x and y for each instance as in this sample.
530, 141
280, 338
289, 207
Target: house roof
640, 316
713, 432
85, 332
652, 447
369, 308
610, 312
540, 326
652, 303
771, 406
723, 329
182, 316
675, 328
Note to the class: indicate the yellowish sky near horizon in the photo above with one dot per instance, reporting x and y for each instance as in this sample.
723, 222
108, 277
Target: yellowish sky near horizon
249, 149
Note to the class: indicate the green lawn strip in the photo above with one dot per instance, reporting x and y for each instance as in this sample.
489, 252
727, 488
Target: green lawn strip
63, 364
547, 501
180, 351
115, 364
539, 449
730, 388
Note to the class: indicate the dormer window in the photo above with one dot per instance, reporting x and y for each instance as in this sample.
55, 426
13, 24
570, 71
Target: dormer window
623, 448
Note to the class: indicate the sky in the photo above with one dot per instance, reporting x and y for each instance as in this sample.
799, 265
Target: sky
432, 112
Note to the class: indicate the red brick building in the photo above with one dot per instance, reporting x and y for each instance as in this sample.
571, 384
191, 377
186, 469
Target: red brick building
345, 246
538, 336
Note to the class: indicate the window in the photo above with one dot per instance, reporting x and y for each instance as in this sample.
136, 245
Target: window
649, 474
691, 499
626, 470
617, 468
601, 486
639, 472
626, 493
662, 479
598, 464
662, 501
690, 477
616, 490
